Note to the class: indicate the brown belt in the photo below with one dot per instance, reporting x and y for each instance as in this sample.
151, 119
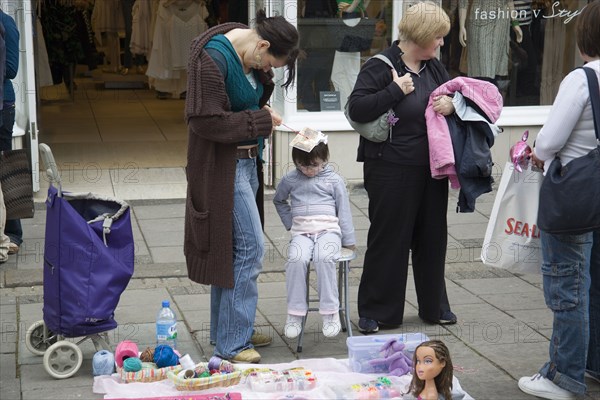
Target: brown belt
252, 152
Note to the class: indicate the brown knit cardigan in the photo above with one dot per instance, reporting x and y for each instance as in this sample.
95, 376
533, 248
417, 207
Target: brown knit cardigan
214, 131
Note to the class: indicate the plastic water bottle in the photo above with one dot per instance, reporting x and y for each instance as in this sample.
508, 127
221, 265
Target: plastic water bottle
166, 326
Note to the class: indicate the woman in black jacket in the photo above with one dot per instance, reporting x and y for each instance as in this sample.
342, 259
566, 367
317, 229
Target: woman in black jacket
407, 207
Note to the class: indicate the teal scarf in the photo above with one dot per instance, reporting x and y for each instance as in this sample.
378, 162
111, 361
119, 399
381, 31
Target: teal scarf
241, 93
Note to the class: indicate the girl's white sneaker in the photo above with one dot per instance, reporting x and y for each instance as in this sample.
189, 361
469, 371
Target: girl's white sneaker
331, 325
293, 326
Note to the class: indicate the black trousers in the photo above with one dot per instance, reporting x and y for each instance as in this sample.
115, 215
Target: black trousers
407, 210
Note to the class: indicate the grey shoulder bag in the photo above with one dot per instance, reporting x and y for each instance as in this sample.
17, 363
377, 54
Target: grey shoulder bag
379, 129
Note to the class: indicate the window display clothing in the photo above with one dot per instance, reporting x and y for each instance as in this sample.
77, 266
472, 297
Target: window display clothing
346, 65
526, 78
178, 22
107, 16
558, 53
42, 63
141, 20
488, 38
314, 71
357, 6
127, 10
107, 22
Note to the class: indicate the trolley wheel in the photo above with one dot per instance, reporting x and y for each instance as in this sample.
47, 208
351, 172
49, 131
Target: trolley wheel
38, 338
63, 359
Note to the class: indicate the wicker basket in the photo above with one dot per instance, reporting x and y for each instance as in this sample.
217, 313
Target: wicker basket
220, 380
146, 374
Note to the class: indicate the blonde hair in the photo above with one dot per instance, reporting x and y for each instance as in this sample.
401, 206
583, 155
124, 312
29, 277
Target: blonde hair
423, 22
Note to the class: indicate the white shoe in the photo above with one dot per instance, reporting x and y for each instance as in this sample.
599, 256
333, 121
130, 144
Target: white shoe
331, 325
542, 387
293, 326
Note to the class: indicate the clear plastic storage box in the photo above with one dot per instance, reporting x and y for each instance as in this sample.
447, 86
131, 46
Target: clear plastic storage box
362, 349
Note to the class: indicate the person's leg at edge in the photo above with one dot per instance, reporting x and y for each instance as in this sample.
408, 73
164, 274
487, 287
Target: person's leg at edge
429, 249
238, 304
392, 211
4, 240
593, 357
126, 9
215, 307
566, 281
12, 229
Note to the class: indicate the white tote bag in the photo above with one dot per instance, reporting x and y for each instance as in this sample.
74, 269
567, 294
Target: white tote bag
512, 238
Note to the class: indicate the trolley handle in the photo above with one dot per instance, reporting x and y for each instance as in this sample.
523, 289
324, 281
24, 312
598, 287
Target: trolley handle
51, 167
106, 228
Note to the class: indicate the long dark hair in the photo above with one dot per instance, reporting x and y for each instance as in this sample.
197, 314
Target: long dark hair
283, 38
443, 382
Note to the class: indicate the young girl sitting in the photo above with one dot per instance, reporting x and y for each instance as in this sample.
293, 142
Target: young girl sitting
320, 221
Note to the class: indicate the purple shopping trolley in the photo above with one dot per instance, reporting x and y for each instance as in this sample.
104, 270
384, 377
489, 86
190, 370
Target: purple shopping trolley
88, 261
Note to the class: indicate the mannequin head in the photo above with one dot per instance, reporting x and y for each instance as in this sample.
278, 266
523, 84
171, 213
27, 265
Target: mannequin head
588, 31
422, 23
431, 361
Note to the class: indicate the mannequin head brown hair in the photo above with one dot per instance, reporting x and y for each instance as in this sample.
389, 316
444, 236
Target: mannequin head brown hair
443, 381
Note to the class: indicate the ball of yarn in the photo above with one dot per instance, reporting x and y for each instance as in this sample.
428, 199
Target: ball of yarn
125, 349
164, 356
132, 364
147, 355
214, 362
226, 367
103, 363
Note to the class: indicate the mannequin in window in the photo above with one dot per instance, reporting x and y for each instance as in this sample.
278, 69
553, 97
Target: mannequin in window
384, 19
314, 70
487, 24
346, 63
141, 35
178, 22
527, 82
107, 21
128, 58
559, 56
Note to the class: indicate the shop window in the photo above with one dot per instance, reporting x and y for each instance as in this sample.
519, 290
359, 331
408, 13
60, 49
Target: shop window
528, 73
337, 39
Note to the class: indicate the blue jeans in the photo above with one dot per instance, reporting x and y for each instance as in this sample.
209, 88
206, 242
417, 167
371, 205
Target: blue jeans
12, 229
232, 311
570, 269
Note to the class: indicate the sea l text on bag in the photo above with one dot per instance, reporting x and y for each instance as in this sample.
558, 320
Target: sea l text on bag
512, 238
